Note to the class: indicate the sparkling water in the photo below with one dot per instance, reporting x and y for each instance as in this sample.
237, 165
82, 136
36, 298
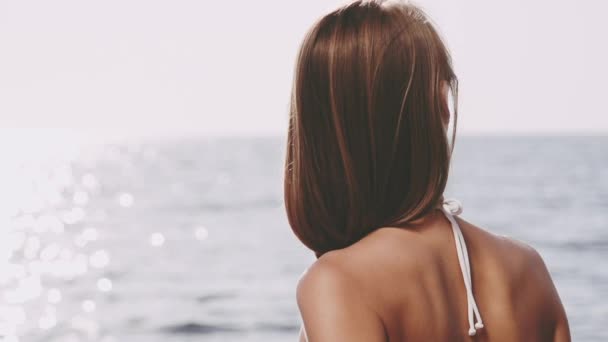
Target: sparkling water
187, 239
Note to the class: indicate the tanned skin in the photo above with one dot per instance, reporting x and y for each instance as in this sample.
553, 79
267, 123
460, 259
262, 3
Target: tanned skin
405, 284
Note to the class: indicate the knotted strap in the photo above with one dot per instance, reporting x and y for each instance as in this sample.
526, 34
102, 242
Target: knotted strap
450, 208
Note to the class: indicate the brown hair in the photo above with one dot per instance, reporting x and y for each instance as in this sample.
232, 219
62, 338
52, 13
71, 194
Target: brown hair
367, 144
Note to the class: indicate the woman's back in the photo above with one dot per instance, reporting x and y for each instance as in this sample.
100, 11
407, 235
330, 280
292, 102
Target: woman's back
368, 149
405, 284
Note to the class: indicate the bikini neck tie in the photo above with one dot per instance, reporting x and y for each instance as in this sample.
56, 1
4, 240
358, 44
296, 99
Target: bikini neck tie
451, 208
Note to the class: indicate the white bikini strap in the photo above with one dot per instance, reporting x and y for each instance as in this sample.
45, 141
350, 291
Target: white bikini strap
450, 208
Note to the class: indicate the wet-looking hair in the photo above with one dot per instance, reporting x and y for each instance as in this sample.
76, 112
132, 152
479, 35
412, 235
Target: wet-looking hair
367, 144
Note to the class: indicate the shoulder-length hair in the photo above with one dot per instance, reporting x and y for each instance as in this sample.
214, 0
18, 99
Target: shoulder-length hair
367, 145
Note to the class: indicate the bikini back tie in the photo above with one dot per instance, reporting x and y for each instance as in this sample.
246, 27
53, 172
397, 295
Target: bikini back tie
451, 208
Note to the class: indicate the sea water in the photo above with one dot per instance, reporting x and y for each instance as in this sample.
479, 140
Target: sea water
187, 239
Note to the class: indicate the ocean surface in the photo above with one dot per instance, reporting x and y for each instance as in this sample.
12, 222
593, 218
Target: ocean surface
187, 239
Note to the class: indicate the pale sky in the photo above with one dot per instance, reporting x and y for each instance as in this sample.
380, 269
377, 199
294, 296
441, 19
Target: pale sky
149, 67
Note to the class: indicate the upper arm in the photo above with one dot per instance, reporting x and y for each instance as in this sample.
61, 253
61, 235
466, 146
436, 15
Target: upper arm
545, 288
560, 329
333, 310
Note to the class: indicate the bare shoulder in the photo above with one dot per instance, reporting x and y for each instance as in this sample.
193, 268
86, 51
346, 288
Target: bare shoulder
528, 276
519, 257
329, 278
525, 258
330, 308
324, 275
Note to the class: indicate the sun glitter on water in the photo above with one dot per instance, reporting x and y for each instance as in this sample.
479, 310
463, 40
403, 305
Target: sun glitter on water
41, 199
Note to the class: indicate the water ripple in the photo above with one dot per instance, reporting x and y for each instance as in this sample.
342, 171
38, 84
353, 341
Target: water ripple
193, 328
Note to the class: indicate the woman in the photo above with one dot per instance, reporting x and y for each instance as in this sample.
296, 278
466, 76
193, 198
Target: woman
367, 163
